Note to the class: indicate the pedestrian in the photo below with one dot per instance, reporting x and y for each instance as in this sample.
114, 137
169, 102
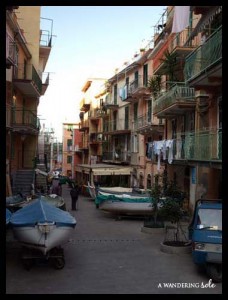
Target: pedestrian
74, 192
56, 186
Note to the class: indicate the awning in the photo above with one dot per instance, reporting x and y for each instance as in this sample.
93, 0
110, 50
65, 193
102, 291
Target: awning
104, 169
119, 171
204, 21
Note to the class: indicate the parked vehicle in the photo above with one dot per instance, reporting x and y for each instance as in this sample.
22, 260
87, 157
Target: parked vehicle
42, 227
205, 232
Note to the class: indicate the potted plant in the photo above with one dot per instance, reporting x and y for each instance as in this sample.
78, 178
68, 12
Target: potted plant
172, 213
154, 85
154, 221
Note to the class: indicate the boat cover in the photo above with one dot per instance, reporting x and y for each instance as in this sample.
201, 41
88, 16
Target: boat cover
127, 198
8, 215
13, 200
40, 211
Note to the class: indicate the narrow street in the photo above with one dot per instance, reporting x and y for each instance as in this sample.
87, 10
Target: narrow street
107, 256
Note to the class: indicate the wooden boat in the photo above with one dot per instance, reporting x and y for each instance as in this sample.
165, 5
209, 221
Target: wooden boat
125, 204
42, 226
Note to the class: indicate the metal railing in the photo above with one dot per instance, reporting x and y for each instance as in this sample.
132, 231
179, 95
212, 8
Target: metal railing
137, 84
10, 49
176, 92
142, 121
115, 125
179, 40
25, 117
200, 146
28, 72
121, 156
204, 56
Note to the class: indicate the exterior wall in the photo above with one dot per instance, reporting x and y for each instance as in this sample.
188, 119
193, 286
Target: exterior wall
29, 21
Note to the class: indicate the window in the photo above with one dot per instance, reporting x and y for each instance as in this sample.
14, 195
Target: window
136, 79
134, 143
145, 75
126, 120
135, 112
115, 94
69, 142
114, 120
69, 145
69, 159
149, 113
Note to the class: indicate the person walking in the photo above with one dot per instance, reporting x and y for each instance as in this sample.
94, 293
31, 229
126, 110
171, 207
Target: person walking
56, 186
74, 192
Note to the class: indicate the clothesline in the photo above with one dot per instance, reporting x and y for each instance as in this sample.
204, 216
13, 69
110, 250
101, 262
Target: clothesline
158, 148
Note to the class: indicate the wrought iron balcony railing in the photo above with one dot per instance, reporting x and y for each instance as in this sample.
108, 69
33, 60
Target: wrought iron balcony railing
177, 92
25, 118
205, 56
121, 156
116, 125
200, 146
27, 72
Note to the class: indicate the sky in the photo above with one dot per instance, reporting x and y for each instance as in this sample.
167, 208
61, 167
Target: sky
89, 41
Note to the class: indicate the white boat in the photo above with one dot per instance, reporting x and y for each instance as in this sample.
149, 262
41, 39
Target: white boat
125, 204
115, 189
42, 226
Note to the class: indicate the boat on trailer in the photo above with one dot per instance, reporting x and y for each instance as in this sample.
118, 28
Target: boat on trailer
42, 227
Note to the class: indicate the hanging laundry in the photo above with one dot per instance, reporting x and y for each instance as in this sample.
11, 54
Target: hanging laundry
178, 147
169, 144
180, 18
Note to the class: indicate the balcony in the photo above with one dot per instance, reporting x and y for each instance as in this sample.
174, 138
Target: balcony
144, 125
10, 51
176, 99
84, 145
175, 44
121, 157
95, 114
95, 138
45, 46
85, 105
138, 88
45, 83
199, 146
204, 65
27, 80
119, 126
110, 103
25, 121
84, 125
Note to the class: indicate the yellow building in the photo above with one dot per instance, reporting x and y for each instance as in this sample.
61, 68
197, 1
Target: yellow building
26, 58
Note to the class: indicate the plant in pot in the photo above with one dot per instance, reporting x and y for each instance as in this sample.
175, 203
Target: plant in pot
172, 212
154, 85
155, 221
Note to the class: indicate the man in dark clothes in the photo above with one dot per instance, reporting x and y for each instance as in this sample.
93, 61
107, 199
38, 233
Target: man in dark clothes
74, 192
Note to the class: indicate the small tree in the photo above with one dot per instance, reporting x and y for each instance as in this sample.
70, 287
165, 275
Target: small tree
172, 211
155, 195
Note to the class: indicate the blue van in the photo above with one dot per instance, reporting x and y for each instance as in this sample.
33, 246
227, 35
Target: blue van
205, 232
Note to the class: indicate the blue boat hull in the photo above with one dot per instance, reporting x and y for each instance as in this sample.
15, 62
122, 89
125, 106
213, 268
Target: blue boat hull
42, 226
